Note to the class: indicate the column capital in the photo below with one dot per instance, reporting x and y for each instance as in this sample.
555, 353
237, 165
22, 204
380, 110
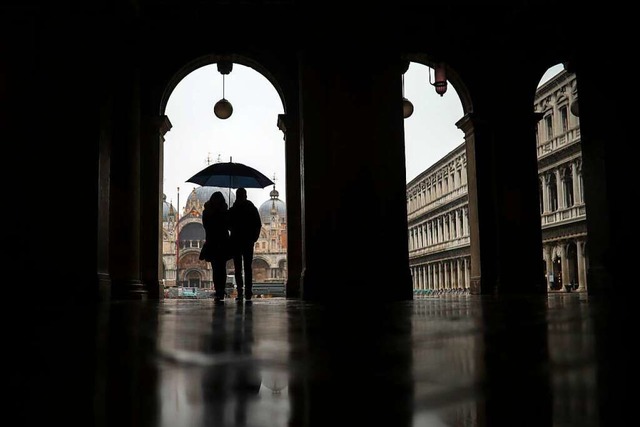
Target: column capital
163, 124
282, 123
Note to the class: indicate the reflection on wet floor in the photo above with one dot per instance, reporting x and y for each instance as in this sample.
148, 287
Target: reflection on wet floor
440, 361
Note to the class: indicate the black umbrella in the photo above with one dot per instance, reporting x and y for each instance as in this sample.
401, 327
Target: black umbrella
232, 175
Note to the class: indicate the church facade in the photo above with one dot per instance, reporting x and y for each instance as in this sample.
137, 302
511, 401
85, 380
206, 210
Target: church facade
184, 235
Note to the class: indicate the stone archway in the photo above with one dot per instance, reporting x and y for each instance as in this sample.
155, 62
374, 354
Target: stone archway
287, 123
260, 270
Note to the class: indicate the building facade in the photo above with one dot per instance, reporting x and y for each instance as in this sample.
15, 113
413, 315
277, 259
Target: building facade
437, 204
183, 237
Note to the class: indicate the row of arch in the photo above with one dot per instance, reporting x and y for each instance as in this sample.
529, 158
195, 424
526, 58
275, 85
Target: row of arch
452, 77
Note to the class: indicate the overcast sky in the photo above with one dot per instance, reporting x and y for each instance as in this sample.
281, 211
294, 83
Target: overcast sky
251, 135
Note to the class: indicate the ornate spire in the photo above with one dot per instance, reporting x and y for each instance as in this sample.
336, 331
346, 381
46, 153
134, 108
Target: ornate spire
274, 193
208, 160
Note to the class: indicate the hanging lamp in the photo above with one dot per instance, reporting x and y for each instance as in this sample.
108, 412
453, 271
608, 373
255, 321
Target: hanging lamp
223, 108
439, 80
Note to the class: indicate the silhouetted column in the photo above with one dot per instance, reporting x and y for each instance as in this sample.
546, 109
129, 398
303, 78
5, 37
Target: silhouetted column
504, 211
288, 124
152, 168
354, 181
606, 131
104, 193
479, 165
125, 191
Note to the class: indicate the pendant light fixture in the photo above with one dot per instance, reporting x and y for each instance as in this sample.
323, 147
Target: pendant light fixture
407, 106
439, 80
223, 108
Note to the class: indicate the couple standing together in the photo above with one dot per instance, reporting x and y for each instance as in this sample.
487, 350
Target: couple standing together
230, 233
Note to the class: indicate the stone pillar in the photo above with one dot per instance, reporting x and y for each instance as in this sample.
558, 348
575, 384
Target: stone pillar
548, 259
582, 274
467, 273
152, 168
504, 211
446, 275
434, 276
103, 211
545, 193
559, 189
606, 131
428, 228
413, 238
564, 263
124, 238
576, 183
465, 221
289, 125
472, 128
580, 182
353, 158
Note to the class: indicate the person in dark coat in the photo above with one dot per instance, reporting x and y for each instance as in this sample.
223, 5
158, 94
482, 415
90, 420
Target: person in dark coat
217, 250
245, 225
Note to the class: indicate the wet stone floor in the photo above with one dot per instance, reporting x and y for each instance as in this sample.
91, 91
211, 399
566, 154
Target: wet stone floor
463, 360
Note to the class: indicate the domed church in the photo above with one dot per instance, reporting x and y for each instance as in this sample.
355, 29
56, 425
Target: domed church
184, 235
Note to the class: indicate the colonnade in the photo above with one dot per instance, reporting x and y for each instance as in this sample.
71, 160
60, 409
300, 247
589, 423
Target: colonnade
440, 229
446, 275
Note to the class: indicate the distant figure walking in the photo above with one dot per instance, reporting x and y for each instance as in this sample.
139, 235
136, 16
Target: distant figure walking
245, 226
217, 249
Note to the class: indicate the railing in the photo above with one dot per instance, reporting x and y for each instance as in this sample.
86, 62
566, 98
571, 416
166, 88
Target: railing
572, 213
554, 144
460, 242
442, 200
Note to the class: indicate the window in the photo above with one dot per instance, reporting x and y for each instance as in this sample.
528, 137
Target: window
548, 120
564, 116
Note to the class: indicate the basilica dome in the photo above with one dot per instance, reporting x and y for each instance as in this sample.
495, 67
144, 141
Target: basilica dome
200, 195
167, 209
272, 206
